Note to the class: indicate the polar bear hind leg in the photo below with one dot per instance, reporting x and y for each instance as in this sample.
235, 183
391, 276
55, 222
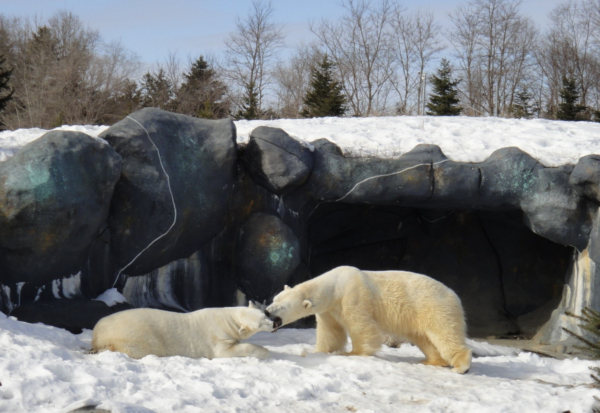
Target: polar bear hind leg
331, 335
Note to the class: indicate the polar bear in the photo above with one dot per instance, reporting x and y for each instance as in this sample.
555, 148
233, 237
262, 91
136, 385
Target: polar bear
370, 305
210, 333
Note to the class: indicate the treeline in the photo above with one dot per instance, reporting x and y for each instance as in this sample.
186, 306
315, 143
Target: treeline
377, 59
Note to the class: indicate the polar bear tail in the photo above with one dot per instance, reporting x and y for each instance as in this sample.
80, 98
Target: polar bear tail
461, 362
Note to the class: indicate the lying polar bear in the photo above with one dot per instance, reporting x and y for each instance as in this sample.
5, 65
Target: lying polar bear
370, 305
210, 333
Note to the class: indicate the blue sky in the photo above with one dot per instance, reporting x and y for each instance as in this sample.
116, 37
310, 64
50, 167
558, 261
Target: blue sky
153, 28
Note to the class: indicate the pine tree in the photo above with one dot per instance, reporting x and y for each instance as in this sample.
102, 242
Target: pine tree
157, 90
522, 108
443, 101
201, 94
6, 93
569, 109
249, 108
325, 96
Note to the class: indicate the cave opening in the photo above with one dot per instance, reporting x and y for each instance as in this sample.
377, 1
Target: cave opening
509, 279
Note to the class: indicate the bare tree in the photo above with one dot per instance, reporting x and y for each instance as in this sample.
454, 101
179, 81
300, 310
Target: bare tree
63, 72
359, 45
415, 41
253, 49
570, 49
494, 45
464, 38
293, 78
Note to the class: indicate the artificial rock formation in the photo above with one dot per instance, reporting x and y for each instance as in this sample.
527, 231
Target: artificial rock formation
193, 225
177, 176
54, 197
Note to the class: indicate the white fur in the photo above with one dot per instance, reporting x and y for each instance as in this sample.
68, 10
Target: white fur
370, 305
210, 333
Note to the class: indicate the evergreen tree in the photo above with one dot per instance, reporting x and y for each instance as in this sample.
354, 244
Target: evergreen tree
522, 108
6, 93
249, 108
157, 90
443, 101
569, 109
324, 98
202, 94
121, 104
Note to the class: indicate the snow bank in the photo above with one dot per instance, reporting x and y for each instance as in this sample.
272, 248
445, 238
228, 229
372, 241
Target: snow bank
12, 141
48, 369
462, 139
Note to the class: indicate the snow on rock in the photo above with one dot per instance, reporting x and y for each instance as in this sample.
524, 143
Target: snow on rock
47, 369
462, 139
111, 297
12, 141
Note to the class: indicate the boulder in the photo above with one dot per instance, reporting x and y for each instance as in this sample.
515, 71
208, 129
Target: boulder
177, 177
585, 177
267, 254
72, 315
276, 160
54, 197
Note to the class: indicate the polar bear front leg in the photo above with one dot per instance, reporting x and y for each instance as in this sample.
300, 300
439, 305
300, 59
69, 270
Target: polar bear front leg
331, 335
243, 350
366, 336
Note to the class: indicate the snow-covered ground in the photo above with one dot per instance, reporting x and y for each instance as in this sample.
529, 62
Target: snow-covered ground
46, 369
461, 138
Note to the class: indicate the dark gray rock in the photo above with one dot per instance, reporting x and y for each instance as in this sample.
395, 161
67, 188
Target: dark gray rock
506, 176
72, 315
181, 285
277, 161
267, 254
54, 198
178, 173
586, 177
555, 210
406, 180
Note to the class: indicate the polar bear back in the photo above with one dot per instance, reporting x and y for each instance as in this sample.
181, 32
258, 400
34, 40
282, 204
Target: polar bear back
404, 303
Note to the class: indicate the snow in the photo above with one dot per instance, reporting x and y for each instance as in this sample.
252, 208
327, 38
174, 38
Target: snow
462, 139
12, 141
48, 369
111, 297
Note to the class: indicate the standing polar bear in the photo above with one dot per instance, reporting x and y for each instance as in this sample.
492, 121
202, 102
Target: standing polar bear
210, 333
368, 305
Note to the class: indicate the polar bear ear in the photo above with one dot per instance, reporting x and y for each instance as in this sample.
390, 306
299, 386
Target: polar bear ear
251, 304
306, 304
286, 287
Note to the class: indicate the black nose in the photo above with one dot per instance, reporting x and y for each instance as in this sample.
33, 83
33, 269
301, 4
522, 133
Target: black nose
267, 313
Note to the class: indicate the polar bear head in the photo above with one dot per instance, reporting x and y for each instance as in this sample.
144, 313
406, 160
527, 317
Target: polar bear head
288, 306
251, 320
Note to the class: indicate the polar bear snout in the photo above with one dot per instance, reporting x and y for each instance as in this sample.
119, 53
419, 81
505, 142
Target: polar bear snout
277, 321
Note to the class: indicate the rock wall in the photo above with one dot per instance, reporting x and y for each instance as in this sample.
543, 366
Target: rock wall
174, 214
